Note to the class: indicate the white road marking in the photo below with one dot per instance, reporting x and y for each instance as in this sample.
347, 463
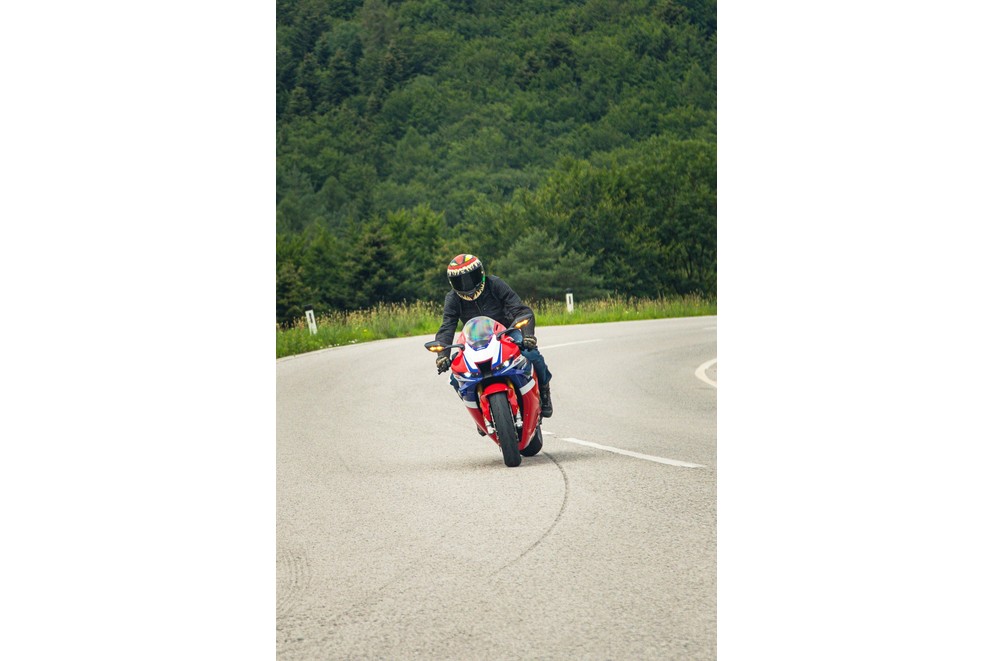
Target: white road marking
628, 453
566, 344
701, 372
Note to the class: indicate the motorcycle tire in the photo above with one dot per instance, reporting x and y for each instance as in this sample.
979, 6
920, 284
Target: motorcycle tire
535, 444
506, 432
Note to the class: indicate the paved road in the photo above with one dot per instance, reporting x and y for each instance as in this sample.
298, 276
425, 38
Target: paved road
401, 534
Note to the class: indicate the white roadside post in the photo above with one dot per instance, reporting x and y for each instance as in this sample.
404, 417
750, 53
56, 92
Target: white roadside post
311, 321
569, 301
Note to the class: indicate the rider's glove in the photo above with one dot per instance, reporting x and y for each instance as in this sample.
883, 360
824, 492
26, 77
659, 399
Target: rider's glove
530, 342
443, 363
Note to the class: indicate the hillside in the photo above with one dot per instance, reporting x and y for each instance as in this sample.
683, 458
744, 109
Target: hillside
569, 144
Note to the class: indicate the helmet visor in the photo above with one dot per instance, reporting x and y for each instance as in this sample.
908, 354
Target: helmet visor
466, 282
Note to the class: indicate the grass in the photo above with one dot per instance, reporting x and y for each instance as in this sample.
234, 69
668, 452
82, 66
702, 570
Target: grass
422, 318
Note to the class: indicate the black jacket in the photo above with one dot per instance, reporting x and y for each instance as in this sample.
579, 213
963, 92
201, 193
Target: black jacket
497, 302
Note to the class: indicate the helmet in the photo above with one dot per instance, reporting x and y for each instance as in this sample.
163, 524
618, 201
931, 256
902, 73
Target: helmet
467, 277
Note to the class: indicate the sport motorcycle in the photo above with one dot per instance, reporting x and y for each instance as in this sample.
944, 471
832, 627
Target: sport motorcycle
498, 385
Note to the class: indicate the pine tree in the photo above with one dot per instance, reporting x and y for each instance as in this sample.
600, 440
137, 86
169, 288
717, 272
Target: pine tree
291, 294
338, 81
538, 267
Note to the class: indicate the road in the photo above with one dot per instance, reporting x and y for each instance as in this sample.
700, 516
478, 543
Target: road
401, 534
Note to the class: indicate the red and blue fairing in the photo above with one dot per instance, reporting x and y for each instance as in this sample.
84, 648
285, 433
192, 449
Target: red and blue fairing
490, 364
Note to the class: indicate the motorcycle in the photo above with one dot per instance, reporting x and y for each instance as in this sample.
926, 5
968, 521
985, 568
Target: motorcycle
498, 385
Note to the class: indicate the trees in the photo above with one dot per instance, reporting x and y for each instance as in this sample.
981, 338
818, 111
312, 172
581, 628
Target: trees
415, 239
375, 275
647, 216
338, 82
538, 134
538, 267
292, 293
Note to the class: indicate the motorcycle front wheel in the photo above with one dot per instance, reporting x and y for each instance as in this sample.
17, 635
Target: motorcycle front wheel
499, 407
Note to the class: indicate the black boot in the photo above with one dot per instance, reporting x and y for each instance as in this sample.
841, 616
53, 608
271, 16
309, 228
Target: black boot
546, 408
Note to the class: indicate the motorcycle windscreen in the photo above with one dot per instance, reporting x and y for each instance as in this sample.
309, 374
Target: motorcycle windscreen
479, 331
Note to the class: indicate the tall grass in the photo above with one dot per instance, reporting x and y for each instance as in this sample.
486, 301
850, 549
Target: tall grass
336, 328
422, 318
554, 313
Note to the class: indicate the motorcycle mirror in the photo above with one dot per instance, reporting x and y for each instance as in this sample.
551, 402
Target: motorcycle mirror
434, 346
520, 323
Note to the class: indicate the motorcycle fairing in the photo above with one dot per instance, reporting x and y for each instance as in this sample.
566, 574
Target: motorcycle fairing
479, 371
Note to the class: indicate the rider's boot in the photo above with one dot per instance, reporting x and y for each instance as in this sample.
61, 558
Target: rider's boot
546, 408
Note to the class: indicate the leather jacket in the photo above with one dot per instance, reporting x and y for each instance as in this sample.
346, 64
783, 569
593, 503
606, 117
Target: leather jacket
497, 301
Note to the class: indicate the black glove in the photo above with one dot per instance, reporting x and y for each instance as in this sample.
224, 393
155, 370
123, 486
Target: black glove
443, 363
530, 342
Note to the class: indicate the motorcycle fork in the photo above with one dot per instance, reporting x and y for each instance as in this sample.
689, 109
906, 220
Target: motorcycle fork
511, 397
518, 417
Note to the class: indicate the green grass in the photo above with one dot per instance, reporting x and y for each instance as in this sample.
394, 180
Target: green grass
421, 318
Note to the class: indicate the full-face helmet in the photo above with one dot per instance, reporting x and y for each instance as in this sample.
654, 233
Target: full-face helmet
467, 277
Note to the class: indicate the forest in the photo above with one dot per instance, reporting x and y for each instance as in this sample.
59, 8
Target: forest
569, 144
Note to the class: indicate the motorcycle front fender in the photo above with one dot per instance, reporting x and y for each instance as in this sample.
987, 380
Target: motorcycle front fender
495, 386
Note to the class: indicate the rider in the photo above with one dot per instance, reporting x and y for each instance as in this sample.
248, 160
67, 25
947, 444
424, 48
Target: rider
474, 294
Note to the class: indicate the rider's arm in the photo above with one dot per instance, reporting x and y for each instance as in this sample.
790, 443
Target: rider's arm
512, 304
449, 322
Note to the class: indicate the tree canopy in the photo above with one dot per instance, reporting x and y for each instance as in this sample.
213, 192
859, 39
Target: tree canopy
570, 144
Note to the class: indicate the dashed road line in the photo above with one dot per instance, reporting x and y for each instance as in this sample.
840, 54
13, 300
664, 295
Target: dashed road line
567, 344
627, 453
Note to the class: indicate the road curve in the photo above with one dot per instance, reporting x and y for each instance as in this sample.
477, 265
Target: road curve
401, 535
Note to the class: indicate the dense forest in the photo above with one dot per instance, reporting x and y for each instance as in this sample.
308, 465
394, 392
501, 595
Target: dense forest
570, 144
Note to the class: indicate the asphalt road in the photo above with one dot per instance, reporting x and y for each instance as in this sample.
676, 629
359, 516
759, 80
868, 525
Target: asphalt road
401, 534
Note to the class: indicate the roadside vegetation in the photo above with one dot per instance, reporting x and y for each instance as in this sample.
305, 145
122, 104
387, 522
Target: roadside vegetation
388, 320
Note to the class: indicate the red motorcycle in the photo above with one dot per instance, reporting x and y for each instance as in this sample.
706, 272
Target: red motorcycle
498, 385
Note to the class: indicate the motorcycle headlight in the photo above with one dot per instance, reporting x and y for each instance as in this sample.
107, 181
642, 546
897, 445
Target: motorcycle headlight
517, 362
